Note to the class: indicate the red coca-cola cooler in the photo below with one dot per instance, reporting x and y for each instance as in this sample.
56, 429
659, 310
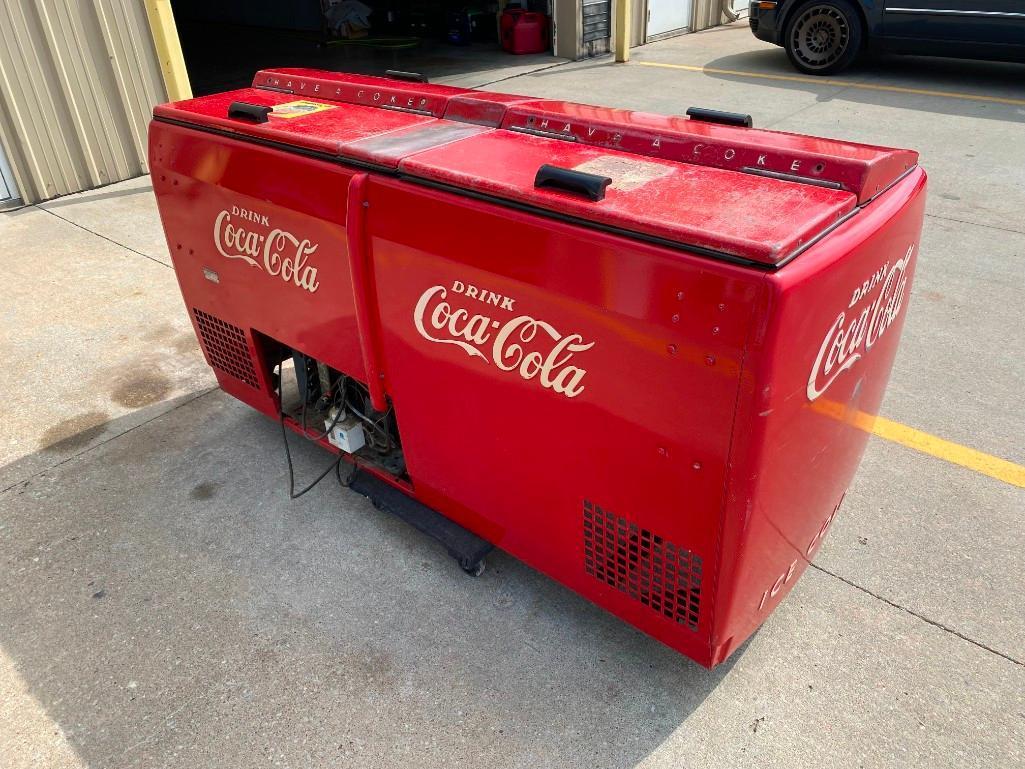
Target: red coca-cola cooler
640, 353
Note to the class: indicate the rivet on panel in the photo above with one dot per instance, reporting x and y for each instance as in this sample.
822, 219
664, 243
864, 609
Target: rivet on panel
679, 296
676, 318
697, 465
715, 329
671, 349
663, 451
722, 308
710, 360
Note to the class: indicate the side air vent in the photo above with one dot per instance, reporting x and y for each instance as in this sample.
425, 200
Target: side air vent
226, 347
659, 574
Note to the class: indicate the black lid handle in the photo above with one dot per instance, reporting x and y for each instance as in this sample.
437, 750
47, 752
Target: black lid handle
255, 112
718, 116
590, 186
398, 74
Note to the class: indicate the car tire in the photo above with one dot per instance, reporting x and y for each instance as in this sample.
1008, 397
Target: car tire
823, 36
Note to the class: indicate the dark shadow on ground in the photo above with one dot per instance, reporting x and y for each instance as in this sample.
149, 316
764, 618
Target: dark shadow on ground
79, 198
167, 604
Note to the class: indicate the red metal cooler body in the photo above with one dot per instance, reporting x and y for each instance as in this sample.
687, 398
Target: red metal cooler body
640, 353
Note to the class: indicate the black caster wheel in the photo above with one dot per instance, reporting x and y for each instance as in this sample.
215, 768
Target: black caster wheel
473, 569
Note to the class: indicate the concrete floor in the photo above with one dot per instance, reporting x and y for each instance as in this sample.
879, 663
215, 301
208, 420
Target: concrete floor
163, 604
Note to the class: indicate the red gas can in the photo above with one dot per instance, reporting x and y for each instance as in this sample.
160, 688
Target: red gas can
640, 353
524, 31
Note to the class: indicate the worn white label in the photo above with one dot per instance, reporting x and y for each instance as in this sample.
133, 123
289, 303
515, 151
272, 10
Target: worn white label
874, 306
626, 173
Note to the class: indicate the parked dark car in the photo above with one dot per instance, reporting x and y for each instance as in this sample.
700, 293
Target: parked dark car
825, 36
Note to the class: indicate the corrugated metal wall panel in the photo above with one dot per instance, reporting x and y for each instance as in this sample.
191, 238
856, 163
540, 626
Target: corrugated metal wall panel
707, 13
77, 83
638, 22
126, 32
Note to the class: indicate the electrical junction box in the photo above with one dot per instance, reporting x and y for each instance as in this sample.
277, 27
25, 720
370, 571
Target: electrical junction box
346, 434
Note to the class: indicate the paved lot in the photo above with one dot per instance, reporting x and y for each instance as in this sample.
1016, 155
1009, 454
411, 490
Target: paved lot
163, 604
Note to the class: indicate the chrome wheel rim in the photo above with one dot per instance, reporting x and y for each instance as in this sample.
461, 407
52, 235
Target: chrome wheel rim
820, 36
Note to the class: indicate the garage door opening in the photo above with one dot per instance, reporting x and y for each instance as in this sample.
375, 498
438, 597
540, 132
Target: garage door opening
450, 41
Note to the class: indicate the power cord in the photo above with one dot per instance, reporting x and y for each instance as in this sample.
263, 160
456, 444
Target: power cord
339, 410
336, 465
292, 493
347, 483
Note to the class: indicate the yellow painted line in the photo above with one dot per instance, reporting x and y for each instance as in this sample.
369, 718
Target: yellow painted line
842, 83
955, 453
934, 446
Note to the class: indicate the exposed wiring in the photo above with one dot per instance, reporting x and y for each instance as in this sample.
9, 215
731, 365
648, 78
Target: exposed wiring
292, 493
375, 426
339, 411
378, 437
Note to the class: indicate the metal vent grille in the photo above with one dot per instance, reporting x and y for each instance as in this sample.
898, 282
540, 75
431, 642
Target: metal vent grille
659, 574
227, 348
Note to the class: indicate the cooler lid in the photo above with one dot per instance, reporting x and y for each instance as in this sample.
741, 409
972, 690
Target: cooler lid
752, 218
863, 169
341, 130
757, 196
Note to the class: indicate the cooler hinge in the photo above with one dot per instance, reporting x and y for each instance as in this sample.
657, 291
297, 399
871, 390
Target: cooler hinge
545, 134
273, 88
792, 178
410, 110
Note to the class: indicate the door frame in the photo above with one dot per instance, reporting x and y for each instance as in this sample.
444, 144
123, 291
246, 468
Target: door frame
673, 32
9, 195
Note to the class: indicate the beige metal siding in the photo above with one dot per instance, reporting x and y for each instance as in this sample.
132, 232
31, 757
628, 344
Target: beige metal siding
78, 81
707, 13
568, 28
638, 22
